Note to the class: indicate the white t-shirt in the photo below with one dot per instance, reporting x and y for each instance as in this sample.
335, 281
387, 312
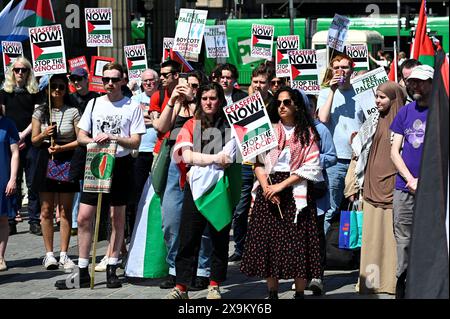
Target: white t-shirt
283, 164
346, 117
121, 118
148, 140
229, 98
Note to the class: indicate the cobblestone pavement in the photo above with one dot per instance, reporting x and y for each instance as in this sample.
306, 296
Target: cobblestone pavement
26, 278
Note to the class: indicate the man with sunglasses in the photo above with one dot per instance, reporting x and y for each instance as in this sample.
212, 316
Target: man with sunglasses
18, 98
169, 74
125, 126
79, 79
342, 115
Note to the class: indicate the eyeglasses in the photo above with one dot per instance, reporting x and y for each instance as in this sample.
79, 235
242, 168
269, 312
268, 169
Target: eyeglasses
20, 70
276, 82
285, 102
194, 85
149, 81
76, 78
106, 80
166, 75
55, 86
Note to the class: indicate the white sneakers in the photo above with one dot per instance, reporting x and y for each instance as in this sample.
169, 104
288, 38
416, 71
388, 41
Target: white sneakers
176, 293
50, 262
213, 293
67, 264
3, 266
101, 266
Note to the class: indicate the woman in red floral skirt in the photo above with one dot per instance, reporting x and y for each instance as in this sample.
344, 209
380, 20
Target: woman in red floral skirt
282, 239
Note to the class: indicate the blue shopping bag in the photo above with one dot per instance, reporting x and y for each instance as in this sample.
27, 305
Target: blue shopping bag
350, 229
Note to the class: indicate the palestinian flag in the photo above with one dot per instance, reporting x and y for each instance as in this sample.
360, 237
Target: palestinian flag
99, 27
48, 50
137, 63
262, 41
304, 72
427, 276
213, 188
18, 16
147, 253
422, 46
250, 126
185, 65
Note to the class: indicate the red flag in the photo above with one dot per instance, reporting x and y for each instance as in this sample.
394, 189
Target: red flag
176, 56
423, 47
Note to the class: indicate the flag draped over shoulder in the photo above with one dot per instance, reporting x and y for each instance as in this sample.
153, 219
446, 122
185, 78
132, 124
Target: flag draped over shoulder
216, 191
422, 49
18, 16
147, 254
428, 262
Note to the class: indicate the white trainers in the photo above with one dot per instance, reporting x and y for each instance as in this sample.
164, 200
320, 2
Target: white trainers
3, 266
67, 263
176, 293
213, 293
50, 263
101, 266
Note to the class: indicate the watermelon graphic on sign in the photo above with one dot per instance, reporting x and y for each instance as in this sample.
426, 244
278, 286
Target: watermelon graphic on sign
102, 166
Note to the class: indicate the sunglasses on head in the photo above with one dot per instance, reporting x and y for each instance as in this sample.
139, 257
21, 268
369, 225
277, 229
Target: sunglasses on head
55, 86
106, 80
285, 102
20, 70
74, 78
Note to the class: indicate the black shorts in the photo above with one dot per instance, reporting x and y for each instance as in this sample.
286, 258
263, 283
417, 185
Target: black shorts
121, 187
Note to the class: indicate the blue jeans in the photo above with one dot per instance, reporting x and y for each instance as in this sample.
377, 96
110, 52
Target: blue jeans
171, 209
240, 214
336, 178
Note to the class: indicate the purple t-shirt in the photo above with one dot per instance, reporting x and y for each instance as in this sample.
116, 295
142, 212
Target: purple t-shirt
410, 122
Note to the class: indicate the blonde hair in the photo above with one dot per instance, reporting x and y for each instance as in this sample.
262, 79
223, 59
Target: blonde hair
10, 82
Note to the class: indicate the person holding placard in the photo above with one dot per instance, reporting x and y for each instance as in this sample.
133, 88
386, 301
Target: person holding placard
342, 115
55, 133
125, 126
282, 239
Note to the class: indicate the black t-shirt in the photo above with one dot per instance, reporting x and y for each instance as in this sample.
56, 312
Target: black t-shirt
19, 107
80, 101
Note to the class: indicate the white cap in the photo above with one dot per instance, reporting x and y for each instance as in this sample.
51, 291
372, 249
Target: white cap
422, 72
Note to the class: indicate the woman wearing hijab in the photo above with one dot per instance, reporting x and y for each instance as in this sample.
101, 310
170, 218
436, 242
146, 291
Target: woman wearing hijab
376, 174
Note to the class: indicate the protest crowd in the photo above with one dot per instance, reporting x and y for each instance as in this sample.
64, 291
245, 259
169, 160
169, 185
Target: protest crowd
175, 160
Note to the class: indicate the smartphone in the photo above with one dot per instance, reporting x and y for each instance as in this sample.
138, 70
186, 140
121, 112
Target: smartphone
182, 79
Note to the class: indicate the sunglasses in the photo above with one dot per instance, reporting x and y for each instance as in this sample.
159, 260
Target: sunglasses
77, 78
106, 80
20, 70
276, 82
166, 75
55, 86
285, 102
194, 85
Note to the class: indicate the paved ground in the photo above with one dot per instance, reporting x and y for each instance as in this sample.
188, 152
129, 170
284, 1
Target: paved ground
27, 279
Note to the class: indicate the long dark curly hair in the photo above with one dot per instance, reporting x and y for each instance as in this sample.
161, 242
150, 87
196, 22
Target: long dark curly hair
304, 123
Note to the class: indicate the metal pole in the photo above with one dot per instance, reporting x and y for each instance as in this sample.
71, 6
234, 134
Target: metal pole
262, 10
291, 16
399, 24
